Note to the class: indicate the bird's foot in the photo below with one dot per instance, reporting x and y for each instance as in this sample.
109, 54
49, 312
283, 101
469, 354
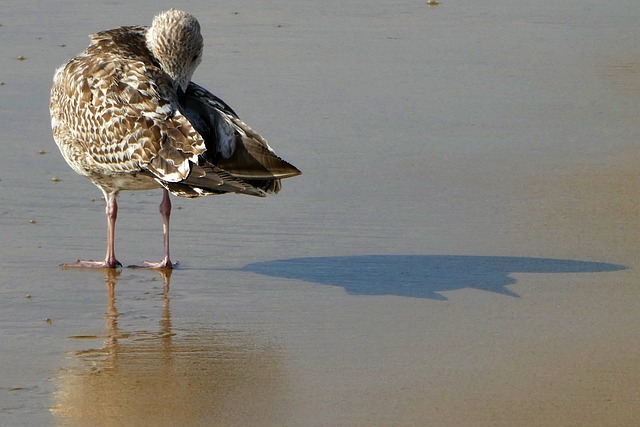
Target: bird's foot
93, 264
164, 264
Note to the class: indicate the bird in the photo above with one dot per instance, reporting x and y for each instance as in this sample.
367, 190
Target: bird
126, 115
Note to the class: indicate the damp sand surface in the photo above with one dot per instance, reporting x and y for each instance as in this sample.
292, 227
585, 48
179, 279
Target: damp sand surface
461, 249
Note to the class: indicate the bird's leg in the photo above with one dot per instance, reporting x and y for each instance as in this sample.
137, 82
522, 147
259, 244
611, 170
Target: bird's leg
165, 211
112, 214
110, 260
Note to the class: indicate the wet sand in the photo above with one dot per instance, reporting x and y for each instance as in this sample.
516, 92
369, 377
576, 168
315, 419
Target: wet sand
460, 250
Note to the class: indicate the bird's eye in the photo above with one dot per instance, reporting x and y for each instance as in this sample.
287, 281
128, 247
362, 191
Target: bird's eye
195, 58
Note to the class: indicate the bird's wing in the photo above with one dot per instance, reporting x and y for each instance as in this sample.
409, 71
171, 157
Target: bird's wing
118, 106
231, 144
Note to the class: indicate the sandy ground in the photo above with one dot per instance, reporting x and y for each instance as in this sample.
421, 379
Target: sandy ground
460, 250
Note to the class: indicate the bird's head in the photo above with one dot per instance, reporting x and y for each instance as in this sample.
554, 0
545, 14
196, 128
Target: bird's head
175, 41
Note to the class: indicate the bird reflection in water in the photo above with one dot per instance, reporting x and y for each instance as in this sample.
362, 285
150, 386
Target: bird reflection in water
170, 377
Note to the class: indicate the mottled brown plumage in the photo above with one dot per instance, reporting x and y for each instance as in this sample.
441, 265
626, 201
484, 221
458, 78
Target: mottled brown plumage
125, 114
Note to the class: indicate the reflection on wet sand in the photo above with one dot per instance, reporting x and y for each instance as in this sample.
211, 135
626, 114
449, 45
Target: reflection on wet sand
197, 377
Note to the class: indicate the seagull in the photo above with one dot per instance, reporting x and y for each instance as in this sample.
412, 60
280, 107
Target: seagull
125, 114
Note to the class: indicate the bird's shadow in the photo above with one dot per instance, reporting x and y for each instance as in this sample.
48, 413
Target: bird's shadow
420, 276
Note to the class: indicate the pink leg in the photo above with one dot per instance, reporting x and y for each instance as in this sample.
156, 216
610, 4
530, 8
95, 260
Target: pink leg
110, 260
165, 211
112, 215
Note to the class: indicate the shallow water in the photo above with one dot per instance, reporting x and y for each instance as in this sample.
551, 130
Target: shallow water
461, 248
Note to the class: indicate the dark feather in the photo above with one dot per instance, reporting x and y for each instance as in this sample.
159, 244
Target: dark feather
231, 144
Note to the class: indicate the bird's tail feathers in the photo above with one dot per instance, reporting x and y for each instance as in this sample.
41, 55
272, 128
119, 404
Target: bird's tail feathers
210, 180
